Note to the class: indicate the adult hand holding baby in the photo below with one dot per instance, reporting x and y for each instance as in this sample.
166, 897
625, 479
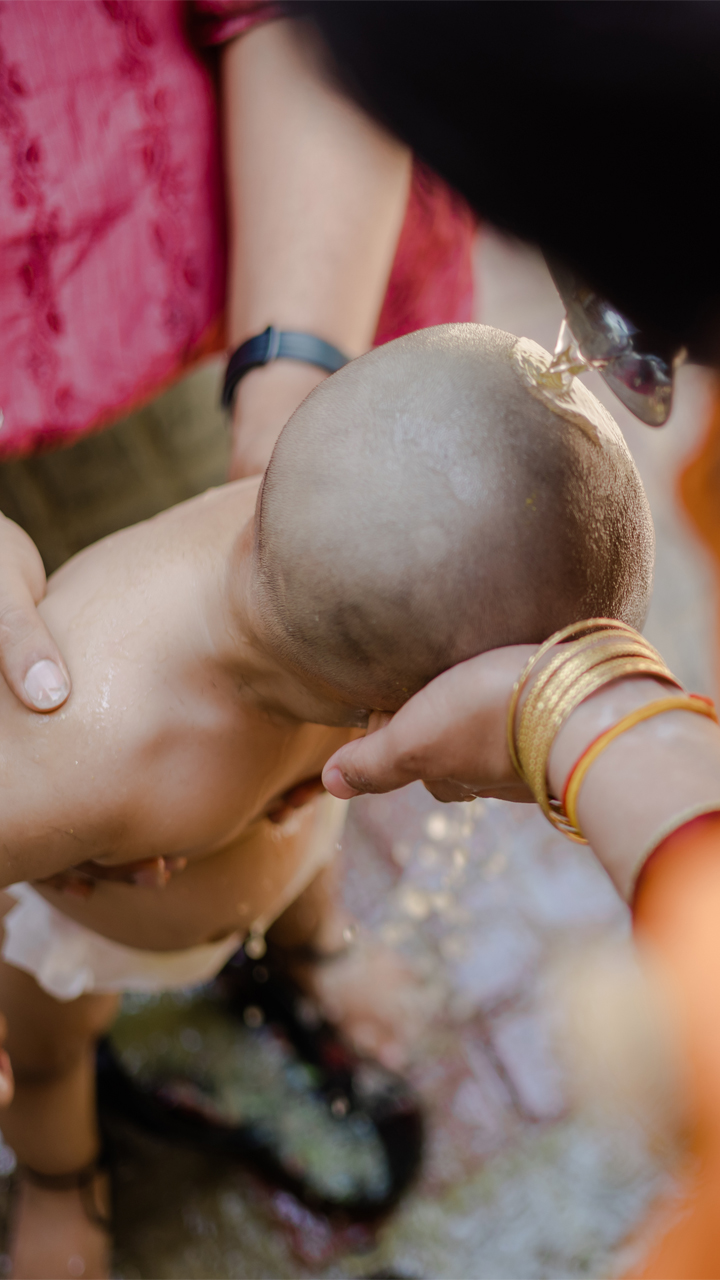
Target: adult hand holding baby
30, 661
451, 736
294, 145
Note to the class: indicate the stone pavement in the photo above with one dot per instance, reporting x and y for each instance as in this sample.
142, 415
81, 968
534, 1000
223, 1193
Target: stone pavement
519, 1181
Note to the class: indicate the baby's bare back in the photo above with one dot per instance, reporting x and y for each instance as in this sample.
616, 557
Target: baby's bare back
159, 750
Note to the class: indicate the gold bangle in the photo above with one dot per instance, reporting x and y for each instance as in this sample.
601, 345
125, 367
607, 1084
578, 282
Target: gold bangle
535, 764
560, 678
538, 721
575, 629
541, 720
577, 776
580, 654
593, 654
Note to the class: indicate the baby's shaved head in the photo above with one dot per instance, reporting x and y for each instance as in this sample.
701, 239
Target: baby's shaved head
426, 503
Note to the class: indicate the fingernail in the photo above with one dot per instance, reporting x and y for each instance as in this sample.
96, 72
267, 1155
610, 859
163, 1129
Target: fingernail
45, 685
334, 782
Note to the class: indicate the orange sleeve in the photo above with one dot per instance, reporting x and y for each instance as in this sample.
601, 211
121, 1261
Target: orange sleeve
677, 920
699, 490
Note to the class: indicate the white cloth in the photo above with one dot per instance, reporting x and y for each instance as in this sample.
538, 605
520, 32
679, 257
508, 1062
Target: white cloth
67, 960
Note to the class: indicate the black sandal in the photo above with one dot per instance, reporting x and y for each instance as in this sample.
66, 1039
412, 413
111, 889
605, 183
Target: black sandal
355, 1090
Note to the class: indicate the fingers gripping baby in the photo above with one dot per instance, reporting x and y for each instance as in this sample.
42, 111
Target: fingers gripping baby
432, 500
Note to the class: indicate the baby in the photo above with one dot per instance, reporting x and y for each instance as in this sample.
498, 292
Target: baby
439, 497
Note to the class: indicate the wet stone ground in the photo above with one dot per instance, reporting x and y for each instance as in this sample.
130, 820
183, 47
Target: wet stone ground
519, 1181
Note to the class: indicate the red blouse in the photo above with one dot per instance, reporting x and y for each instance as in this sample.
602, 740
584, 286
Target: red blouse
112, 237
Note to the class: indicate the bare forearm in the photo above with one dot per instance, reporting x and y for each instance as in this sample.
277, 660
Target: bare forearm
644, 780
316, 199
317, 194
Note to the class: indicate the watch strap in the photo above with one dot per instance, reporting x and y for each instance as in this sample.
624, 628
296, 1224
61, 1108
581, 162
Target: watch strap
277, 344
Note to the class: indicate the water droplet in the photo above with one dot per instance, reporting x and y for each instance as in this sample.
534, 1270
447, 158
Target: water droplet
255, 946
414, 903
441, 901
401, 852
428, 855
437, 826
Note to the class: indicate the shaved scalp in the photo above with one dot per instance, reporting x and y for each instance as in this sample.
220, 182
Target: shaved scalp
423, 505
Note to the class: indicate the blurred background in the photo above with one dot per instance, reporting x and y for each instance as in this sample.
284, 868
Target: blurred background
520, 1178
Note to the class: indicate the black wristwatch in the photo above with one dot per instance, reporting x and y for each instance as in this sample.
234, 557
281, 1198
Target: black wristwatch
275, 344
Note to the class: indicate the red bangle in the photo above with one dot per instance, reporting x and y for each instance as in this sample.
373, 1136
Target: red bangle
687, 702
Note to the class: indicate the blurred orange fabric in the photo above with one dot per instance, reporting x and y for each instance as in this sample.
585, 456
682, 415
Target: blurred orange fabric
676, 913
699, 489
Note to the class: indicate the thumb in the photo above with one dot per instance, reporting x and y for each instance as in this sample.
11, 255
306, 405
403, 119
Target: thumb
30, 660
381, 761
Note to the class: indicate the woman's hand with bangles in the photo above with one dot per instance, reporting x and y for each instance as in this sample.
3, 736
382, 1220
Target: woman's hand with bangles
452, 735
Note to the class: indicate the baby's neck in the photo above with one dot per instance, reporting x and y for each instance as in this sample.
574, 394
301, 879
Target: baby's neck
226, 590
246, 645
239, 647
